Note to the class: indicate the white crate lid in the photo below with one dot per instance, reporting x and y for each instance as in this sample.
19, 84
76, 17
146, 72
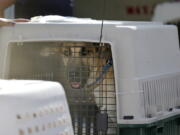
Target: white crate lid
33, 108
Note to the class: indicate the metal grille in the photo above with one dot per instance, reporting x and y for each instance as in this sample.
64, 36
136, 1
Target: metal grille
86, 72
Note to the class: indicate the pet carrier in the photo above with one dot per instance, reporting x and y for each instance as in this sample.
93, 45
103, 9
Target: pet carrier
33, 108
128, 84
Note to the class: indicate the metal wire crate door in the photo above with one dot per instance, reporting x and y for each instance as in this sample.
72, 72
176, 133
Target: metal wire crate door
86, 72
92, 90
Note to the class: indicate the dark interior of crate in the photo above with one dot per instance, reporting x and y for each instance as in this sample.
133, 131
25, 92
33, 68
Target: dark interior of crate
84, 69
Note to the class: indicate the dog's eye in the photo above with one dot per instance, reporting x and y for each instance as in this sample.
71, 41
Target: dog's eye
66, 53
84, 51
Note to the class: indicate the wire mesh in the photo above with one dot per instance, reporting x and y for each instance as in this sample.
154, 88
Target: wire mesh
86, 72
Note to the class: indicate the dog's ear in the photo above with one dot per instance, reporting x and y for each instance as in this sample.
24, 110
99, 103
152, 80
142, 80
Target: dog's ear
64, 48
105, 52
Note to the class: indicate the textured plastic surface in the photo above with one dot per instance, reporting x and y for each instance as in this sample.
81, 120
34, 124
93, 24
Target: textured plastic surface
33, 107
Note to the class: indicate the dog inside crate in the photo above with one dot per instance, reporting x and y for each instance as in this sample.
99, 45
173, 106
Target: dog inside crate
85, 69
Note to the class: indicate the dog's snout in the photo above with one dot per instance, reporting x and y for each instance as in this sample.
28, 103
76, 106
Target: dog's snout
78, 72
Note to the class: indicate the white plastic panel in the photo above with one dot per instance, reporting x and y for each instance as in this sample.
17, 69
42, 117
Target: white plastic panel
33, 107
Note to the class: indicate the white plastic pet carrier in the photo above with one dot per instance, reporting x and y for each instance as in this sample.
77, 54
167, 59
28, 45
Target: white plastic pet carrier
132, 77
33, 108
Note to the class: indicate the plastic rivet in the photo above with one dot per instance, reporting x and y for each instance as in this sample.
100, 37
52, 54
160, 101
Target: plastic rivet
30, 131
37, 129
21, 132
34, 115
43, 128
49, 125
54, 124
18, 116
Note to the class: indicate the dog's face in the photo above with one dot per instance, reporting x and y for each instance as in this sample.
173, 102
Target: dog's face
82, 61
79, 58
